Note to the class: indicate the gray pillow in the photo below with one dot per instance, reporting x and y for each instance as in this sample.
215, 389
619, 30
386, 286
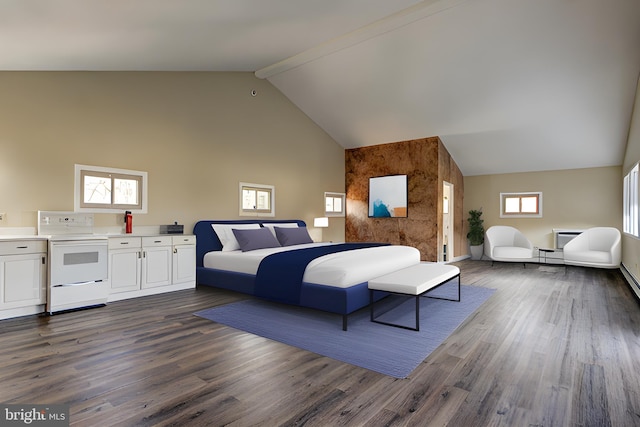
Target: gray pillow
292, 236
258, 238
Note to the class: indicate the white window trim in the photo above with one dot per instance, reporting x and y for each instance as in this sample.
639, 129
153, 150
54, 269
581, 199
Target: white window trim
630, 202
272, 204
77, 190
342, 196
521, 215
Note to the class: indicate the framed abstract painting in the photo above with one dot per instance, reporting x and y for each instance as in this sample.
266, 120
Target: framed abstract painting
388, 196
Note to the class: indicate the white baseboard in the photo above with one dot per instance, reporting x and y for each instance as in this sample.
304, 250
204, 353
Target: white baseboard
633, 282
22, 311
151, 291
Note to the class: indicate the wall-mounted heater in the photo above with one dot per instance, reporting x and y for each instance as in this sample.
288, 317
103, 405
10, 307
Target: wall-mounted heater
561, 236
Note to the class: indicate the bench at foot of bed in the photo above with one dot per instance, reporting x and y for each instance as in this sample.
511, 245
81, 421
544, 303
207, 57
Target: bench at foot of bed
414, 281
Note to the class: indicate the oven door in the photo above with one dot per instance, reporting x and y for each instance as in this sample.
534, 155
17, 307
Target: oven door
78, 262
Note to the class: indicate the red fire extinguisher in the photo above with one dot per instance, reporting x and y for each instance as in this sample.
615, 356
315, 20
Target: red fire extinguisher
128, 222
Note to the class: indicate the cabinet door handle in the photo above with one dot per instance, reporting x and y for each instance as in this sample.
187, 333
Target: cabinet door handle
44, 260
124, 243
175, 250
157, 241
22, 247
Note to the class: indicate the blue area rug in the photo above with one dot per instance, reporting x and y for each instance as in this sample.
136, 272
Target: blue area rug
385, 349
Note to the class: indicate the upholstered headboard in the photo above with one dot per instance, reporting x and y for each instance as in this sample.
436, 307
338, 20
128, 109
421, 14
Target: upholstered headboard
207, 240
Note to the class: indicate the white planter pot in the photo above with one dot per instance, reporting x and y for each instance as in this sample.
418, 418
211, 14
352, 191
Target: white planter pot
476, 251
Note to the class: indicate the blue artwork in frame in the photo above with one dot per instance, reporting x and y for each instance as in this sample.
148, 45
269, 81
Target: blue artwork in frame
388, 196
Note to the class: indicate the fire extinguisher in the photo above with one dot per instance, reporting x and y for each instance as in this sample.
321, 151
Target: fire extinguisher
128, 222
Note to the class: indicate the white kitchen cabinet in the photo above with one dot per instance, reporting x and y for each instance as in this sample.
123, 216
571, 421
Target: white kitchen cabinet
149, 265
125, 264
23, 272
157, 261
184, 259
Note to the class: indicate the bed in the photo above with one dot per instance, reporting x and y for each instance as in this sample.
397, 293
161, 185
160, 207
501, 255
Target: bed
324, 276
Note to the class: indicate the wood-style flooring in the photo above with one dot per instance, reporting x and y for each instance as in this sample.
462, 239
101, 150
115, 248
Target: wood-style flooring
554, 346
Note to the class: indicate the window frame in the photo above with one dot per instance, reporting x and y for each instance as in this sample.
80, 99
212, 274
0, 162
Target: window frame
630, 197
81, 171
334, 196
268, 189
521, 195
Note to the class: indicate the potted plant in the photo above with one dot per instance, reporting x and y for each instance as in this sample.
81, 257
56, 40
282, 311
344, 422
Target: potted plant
476, 233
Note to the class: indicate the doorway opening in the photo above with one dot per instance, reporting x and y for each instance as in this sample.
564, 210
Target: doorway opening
446, 254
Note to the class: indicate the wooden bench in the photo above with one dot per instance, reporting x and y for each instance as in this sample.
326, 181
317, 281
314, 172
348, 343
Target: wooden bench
415, 281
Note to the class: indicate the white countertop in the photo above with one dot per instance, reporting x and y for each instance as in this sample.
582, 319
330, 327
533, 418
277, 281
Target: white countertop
30, 233
9, 237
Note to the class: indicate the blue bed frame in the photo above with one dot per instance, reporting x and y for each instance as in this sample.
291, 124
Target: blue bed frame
343, 301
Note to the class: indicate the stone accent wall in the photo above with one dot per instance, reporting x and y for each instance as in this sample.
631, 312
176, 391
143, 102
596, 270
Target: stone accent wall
426, 163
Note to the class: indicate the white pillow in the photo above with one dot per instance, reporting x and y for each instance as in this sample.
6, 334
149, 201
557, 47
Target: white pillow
271, 226
226, 236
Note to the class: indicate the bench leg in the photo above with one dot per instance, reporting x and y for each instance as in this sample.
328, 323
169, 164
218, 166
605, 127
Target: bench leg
371, 302
444, 283
417, 312
375, 320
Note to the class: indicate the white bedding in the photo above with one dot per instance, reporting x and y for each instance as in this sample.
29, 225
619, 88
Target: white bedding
341, 269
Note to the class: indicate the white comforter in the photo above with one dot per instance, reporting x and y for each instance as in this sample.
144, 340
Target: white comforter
341, 269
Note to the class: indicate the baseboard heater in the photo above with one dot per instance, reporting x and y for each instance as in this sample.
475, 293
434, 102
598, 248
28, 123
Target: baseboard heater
633, 283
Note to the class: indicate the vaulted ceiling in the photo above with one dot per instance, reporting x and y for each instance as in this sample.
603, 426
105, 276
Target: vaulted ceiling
508, 85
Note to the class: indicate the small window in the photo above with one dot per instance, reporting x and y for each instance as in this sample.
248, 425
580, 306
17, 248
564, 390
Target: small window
334, 204
257, 199
100, 189
521, 205
630, 202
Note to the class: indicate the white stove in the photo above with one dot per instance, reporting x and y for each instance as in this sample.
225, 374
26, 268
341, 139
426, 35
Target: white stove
78, 261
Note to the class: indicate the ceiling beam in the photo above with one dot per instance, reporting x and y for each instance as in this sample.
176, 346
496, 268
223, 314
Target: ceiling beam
390, 23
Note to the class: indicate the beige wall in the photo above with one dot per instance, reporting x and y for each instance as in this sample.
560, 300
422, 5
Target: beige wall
196, 134
630, 244
199, 134
574, 199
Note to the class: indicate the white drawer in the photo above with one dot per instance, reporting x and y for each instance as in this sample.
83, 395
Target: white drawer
156, 241
183, 240
17, 247
124, 242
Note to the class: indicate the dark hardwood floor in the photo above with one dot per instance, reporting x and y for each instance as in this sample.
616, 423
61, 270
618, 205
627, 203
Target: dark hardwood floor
554, 346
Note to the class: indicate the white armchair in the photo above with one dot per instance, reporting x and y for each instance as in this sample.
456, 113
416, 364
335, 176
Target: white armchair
595, 247
504, 243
